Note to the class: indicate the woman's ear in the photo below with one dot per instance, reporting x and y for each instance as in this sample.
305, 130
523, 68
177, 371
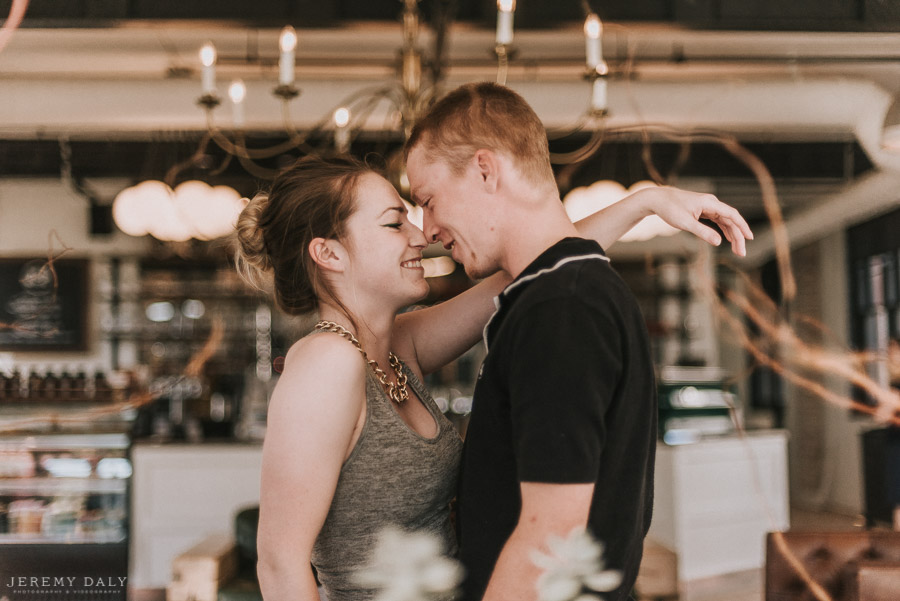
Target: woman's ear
328, 254
487, 164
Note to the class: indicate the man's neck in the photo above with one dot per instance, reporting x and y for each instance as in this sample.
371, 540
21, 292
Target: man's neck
533, 236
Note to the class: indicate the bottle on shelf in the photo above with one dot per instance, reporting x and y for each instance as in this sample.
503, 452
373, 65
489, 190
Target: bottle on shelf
35, 385
51, 386
79, 384
15, 386
65, 386
102, 389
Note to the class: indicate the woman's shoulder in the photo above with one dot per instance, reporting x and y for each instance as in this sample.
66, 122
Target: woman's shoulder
323, 350
322, 363
317, 368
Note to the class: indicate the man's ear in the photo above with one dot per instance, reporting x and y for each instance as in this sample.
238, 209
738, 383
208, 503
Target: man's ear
487, 162
328, 254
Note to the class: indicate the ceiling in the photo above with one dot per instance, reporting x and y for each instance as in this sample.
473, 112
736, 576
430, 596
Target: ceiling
805, 84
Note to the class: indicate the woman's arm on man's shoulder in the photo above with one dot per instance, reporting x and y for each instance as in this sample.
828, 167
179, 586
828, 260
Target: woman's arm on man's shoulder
313, 417
435, 336
679, 208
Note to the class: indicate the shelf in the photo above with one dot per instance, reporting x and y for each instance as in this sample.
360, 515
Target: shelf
63, 442
26, 407
49, 487
39, 539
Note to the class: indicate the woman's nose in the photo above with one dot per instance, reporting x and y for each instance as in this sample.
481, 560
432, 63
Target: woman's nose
417, 238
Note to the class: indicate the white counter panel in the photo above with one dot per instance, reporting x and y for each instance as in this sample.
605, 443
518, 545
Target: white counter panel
182, 493
716, 500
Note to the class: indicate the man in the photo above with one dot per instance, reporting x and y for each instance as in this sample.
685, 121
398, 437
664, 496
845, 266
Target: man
563, 428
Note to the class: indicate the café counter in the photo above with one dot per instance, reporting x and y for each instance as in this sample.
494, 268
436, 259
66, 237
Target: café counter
182, 493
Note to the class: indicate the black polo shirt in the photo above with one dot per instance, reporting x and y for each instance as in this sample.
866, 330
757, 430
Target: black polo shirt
566, 394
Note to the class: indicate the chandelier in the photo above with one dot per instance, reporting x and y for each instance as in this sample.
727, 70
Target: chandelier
407, 97
410, 95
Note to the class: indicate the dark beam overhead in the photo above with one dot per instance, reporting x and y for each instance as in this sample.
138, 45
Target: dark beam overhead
762, 15
622, 161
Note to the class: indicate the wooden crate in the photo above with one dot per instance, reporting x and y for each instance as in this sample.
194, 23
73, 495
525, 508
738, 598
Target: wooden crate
658, 574
199, 572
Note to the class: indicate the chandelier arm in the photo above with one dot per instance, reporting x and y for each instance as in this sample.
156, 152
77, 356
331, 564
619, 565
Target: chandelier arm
239, 147
257, 170
296, 140
221, 168
217, 136
579, 154
296, 137
361, 115
578, 127
370, 94
177, 168
223, 142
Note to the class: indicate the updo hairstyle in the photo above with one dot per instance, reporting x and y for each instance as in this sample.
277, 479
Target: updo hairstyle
313, 198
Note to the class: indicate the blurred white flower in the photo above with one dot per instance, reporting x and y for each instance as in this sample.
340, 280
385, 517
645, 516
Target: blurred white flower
575, 563
409, 566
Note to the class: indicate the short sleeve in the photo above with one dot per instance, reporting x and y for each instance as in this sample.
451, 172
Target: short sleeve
563, 369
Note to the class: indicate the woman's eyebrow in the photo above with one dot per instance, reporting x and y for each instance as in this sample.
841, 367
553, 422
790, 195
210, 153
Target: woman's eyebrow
398, 209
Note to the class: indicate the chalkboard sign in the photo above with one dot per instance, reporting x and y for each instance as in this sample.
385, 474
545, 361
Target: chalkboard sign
35, 315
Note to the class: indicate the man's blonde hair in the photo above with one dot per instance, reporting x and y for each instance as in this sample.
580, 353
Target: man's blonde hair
488, 116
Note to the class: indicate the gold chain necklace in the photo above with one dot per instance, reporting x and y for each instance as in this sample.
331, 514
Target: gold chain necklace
397, 392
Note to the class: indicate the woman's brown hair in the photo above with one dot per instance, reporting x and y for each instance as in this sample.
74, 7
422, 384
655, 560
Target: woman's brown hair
313, 198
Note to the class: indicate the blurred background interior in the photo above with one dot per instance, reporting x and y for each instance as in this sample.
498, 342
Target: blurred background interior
133, 391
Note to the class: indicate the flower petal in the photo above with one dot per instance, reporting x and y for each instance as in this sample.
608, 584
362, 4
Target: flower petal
555, 588
604, 581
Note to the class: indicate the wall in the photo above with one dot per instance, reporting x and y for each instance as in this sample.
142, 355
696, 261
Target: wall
842, 428
825, 451
30, 209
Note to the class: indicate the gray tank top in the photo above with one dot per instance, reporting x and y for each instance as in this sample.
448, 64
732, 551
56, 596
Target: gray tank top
393, 476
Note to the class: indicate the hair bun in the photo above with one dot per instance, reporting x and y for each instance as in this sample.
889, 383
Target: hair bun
251, 256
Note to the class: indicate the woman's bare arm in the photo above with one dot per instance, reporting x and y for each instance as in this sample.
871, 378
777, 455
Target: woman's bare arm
310, 429
679, 208
435, 336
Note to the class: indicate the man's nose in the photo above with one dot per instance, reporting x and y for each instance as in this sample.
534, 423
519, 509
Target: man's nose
430, 229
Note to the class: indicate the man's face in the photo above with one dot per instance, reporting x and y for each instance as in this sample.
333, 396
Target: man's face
455, 212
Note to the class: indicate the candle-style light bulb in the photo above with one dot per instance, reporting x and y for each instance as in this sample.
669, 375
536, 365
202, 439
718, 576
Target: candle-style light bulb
208, 74
288, 44
505, 9
287, 41
342, 117
593, 29
342, 132
599, 99
237, 91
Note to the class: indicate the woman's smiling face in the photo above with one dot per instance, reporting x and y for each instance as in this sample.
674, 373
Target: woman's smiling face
385, 247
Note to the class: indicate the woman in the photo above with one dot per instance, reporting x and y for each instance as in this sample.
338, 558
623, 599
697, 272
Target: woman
355, 445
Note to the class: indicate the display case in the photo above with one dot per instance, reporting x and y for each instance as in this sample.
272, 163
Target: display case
64, 515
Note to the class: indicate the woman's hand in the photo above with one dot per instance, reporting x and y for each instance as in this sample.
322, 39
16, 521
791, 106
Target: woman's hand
681, 209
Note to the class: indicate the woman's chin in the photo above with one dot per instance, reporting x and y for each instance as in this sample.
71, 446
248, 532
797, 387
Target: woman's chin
420, 294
